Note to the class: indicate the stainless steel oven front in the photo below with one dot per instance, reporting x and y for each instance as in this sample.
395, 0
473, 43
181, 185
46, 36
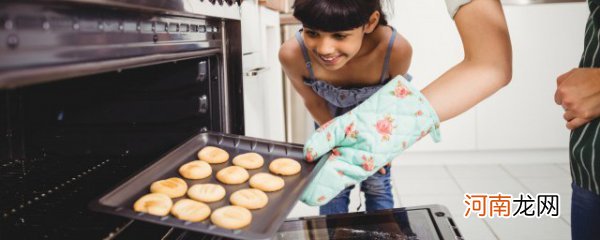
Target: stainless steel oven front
92, 91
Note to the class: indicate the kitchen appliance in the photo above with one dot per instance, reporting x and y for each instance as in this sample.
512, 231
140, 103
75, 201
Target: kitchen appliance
428, 222
92, 91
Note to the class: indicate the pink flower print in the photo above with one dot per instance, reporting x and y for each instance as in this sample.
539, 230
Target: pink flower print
401, 91
404, 145
423, 134
368, 163
341, 173
350, 131
384, 127
321, 198
334, 154
328, 136
419, 113
310, 155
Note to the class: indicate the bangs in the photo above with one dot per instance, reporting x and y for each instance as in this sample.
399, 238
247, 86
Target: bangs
331, 16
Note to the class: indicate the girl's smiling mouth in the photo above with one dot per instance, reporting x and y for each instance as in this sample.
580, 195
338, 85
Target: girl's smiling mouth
330, 60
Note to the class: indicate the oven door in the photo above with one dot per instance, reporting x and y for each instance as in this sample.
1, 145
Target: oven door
428, 222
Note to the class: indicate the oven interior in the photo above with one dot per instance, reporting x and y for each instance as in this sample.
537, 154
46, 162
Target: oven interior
64, 143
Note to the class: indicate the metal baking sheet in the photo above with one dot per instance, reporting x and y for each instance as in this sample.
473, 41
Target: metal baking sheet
265, 221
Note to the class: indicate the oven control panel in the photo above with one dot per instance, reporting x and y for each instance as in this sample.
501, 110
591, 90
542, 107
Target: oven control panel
229, 9
226, 9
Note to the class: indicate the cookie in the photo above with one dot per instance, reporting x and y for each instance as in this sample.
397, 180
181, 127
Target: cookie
266, 182
249, 198
154, 203
249, 160
190, 210
213, 155
195, 170
206, 192
231, 217
285, 166
172, 187
233, 175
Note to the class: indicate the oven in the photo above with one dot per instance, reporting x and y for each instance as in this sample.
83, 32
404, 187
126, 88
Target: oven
92, 91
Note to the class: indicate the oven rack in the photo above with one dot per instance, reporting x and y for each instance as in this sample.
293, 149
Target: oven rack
61, 211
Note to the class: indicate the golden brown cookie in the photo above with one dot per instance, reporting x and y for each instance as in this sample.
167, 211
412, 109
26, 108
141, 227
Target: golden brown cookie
231, 217
207, 192
213, 155
266, 182
249, 198
285, 166
190, 210
172, 187
249, 160
233, 175
195, 170
158, 204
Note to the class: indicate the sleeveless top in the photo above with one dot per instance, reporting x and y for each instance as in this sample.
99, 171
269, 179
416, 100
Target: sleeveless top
341, 100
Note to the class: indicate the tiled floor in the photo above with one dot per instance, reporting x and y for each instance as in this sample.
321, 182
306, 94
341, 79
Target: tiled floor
446, 183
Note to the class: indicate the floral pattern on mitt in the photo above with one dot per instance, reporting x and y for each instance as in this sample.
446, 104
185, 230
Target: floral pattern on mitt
355, 145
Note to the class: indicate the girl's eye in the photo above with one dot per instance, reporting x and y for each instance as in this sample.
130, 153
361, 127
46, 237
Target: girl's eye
311, 33
339, 36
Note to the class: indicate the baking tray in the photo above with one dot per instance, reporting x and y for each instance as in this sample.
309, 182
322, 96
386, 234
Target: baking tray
265, 221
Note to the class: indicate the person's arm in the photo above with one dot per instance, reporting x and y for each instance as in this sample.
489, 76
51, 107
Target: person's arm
487, 64
578, 92
289, 54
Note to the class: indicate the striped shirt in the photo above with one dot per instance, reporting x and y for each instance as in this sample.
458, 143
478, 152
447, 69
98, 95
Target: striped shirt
584, 144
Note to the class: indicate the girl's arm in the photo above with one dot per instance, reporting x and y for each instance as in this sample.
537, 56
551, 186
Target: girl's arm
289, 55
486, 67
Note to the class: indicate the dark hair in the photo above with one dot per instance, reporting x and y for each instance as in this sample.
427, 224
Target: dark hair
336, 15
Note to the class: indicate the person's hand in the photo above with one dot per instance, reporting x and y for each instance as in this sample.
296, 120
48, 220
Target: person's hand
578, 92
367, 138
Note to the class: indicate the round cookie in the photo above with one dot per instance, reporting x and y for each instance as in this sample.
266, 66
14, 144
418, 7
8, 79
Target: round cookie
249, 160
195, 170
206, 192
190, 210
249, 198
233, 175
172, 187
231, 217
154, 203
213, 155
285, 166
266, 182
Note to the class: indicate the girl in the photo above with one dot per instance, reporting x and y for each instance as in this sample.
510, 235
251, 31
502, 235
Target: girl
346, 52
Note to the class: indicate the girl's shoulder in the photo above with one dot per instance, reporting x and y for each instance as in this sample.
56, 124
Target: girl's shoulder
291, 58
400, 55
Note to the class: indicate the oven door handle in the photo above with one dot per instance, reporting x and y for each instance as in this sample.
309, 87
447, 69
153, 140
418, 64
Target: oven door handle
255, 71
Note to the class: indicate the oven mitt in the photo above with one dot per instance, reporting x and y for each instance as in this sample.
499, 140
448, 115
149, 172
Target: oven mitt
357, 144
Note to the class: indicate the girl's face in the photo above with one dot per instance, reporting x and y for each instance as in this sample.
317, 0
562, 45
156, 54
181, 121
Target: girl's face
333, 49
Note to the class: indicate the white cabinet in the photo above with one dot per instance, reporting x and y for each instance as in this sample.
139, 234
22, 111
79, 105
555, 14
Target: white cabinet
251, 36
263, 80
